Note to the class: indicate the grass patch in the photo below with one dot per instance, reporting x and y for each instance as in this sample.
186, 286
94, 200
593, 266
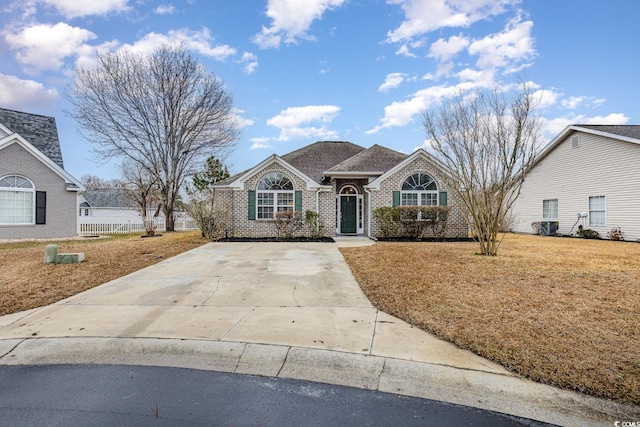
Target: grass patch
27, 282
560, 311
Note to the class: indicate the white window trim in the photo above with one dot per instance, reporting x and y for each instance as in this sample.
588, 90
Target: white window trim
359, 209
275, 207
603, 210
420, 199
31, 190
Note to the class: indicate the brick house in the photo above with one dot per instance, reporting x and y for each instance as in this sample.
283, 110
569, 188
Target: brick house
341, 181
38, 198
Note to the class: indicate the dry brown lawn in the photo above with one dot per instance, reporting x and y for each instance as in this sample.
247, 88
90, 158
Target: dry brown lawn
560, 311
26, 282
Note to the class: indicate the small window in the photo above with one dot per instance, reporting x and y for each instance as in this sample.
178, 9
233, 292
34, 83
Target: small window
597, 211
550, 209
275, 194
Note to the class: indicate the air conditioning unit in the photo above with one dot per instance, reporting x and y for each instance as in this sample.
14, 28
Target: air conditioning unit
548, 228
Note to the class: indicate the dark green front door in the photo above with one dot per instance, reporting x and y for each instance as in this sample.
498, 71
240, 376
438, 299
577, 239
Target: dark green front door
348, 214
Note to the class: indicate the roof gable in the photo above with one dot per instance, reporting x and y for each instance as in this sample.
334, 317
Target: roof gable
375, 184
39, 131
377, 159
628, 133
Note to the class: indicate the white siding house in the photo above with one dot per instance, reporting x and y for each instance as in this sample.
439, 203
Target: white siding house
588, 175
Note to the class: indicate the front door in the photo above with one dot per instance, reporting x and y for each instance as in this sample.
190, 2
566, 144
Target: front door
348, 214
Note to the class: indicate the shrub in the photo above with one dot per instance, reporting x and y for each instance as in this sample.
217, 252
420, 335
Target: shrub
536, 226
437, 218
616, 233
288, 223
587, 233
212, 219
411, 220
314, 223
388, 221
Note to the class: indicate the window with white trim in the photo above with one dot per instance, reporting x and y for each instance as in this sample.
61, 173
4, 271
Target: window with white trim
550, 209
419, 189
17, 200
275, 194
597, 211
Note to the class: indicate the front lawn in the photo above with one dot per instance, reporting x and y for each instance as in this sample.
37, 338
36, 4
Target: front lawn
560, 311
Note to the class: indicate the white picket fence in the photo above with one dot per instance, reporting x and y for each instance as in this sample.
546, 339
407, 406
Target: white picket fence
92, 226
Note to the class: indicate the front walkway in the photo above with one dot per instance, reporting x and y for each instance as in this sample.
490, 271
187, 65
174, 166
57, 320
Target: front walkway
289, 310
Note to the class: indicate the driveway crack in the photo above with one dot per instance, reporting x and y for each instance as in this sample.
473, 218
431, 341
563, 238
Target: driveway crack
214, 291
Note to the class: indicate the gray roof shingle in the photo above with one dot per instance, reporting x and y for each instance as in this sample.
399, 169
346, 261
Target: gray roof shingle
629, 131
374, 159
109, 198
320, 156
39, 131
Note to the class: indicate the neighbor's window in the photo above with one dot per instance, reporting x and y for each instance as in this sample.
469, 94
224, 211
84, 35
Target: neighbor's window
597, 211
550, 209
419, 189
17, 195
275, 194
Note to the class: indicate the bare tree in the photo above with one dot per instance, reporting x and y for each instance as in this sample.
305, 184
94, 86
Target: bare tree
488, 142
142, 188
163, 112
92, 182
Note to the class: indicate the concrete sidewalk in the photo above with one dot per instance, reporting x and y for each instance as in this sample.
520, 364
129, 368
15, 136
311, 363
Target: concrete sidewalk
290, 310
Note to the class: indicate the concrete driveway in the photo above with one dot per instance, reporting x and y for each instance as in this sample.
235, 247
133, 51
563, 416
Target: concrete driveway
276, 309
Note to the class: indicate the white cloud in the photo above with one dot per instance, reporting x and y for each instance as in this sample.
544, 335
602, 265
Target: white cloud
291, 20
165, 9
25, 95
392, 81
403, 50
574, 102
198, 41
444, 50
510, 46
552, 127
241, 121
77, 8
250, 62
260, 144
423, 16
544, 98
45, 46
291, 121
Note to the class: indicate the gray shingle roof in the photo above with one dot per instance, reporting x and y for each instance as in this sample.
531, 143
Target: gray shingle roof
39, 131
374, 159
109, 198
320, 156
629, 131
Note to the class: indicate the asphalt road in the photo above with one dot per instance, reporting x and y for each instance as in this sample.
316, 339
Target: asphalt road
110, 395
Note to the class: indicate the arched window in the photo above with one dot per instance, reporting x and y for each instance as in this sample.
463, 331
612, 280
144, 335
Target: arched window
275, 194
419, 189
17, 200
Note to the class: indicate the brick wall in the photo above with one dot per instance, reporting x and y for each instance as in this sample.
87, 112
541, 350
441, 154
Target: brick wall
62, 205
456, 227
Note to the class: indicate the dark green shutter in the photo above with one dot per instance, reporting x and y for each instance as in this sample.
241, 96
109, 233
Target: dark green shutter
396, 198
41, 207
298, 200
442, 198
252, 205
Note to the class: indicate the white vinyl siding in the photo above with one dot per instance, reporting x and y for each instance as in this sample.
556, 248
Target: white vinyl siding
598, 166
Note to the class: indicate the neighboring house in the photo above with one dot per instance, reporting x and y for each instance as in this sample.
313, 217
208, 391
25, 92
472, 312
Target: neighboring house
38, 198
588, 175
108, 202
341, 181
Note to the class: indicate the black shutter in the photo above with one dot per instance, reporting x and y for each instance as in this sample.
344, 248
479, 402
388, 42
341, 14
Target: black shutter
41, 207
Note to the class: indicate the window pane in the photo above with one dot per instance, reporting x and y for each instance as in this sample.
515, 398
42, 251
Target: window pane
285, 199
265, 199
597, 212
275, 181
409, 199
550, 209
429, 199
265, 212
16, 207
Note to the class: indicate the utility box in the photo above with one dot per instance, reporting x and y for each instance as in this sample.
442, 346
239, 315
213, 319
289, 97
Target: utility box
548, 228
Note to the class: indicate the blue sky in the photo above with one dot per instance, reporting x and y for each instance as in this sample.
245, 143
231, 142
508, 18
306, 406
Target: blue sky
355, 70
